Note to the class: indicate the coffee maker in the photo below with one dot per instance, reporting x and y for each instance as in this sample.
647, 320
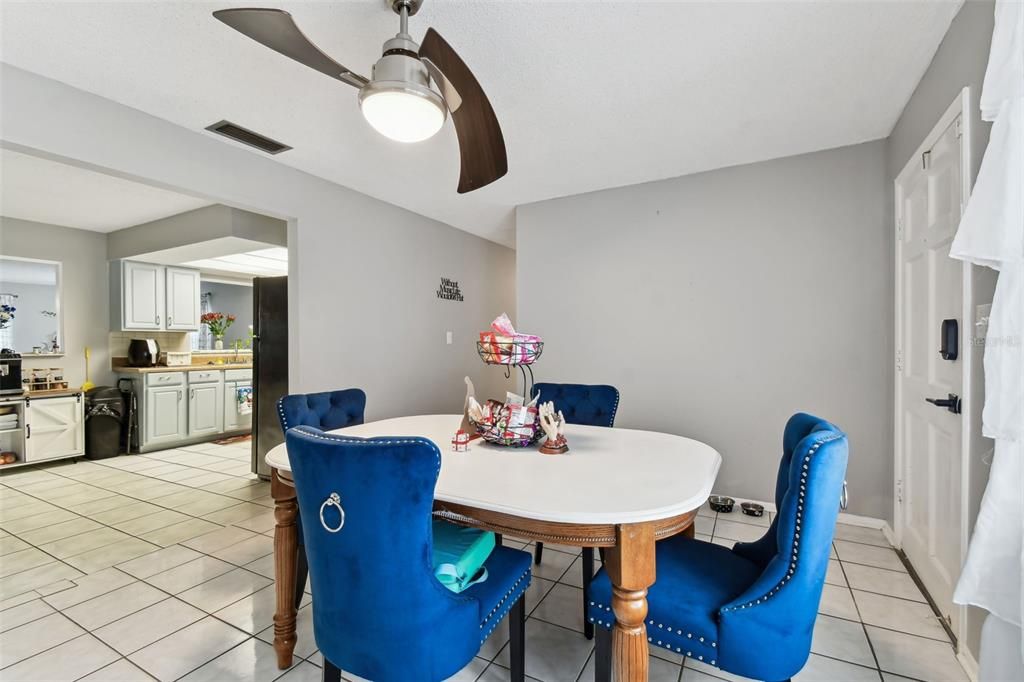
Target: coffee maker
10, 372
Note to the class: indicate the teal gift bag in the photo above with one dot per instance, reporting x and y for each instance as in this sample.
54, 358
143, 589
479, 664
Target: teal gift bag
459, 555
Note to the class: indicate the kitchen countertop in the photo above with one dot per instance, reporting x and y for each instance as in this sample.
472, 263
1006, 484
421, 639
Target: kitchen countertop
124, 369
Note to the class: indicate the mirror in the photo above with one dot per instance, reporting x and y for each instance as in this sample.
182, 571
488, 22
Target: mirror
30, 306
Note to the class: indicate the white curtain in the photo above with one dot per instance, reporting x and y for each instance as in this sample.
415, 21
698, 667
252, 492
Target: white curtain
991, 234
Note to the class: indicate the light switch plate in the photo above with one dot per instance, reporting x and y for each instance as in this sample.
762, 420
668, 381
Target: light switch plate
449, 337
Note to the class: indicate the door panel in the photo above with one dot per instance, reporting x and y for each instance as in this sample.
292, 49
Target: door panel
54, 428
931, 290
182, 299
143, 296
205, 409
165, 415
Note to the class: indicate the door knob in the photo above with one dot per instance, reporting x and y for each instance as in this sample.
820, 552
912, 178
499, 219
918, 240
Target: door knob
951, 403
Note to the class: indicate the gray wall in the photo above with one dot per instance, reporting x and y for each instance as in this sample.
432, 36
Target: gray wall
235, 299
960, 61
362, 273
85, 304
193, 227
721, 303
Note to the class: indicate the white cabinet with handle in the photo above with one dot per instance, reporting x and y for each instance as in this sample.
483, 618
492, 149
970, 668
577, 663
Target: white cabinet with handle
145, 296
205, 407
54, 428
182, 299
165, 415
143, 299
188, 406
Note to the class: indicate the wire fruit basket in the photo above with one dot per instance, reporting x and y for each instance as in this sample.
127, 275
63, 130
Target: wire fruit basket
509, 352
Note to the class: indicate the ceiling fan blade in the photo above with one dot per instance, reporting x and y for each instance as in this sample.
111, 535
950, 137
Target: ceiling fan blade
481, 144
277, 30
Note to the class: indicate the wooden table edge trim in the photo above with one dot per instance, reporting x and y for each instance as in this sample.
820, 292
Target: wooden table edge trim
630, 565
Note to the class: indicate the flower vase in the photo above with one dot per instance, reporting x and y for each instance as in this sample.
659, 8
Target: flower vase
218, 344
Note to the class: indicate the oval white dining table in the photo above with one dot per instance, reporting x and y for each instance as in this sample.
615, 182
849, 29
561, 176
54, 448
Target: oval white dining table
621, 489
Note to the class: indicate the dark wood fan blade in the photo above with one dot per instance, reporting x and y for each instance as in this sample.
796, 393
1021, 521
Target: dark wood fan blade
277, 30
481, 144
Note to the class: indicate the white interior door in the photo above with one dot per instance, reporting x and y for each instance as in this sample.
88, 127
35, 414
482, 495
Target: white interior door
929, 437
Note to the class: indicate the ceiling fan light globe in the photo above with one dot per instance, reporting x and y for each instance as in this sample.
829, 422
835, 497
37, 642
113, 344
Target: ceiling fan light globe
402, 113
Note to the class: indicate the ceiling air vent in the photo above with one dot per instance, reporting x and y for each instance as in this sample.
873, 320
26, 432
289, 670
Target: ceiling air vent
246, 136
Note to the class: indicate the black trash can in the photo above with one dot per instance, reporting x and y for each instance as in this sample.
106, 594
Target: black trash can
104, 422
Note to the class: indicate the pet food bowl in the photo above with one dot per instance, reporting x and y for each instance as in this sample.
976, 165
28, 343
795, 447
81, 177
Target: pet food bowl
721, 504
752, 509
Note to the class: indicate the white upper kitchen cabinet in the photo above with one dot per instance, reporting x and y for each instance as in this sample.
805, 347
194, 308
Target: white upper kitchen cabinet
182, 299
146, 296
142, 296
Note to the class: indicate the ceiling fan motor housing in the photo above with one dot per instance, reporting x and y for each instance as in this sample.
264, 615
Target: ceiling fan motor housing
400, 69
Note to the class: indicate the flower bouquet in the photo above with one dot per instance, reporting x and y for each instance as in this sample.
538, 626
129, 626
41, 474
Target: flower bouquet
217, 323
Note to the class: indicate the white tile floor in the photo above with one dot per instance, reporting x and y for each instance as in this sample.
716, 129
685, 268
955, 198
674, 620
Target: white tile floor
160, 566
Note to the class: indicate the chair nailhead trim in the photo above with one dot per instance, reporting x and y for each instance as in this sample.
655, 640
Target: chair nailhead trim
316, 434
671, 629
796, 542
498, 612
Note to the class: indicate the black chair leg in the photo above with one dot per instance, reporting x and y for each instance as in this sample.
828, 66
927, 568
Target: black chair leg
517, 639
603, 655
497, 539
301, 575
538, 551
588, 575
331, 672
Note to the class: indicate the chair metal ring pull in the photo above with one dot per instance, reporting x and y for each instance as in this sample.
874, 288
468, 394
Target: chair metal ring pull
844, 499
333, 501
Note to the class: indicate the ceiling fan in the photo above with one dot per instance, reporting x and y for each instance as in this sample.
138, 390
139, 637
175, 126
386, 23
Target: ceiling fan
398, 100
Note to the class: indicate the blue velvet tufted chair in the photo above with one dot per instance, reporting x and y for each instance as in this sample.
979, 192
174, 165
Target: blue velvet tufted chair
749, 610
378, 610
326, 411
581, 404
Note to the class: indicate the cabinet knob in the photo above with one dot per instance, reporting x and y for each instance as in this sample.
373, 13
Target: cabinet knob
169, 323
158, 319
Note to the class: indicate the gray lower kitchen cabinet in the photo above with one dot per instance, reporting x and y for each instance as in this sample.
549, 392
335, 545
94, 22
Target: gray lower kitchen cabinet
188, 405
165, 415
205, 409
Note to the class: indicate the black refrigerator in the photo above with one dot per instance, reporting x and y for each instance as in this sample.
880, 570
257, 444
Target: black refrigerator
270, 366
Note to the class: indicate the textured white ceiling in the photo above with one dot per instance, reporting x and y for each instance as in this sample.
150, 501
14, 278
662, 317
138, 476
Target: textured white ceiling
46, 191
590, 94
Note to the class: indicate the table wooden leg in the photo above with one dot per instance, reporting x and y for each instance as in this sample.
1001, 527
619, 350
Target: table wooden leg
286, 510
630, 566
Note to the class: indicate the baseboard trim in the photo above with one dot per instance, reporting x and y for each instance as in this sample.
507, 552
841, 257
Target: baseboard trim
844, 517
967, 662
862, 521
